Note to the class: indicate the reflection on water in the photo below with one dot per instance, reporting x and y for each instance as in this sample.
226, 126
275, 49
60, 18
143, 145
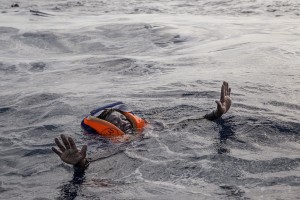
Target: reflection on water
70, 189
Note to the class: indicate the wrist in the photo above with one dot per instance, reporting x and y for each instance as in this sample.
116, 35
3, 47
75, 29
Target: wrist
217, 114
213, 115
81, 164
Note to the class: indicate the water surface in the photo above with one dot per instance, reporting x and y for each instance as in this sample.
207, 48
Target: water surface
167, 60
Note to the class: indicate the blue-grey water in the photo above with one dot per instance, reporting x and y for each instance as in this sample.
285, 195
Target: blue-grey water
167, 60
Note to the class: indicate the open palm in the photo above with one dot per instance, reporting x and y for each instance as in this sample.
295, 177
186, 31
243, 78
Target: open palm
68, 150
224, 103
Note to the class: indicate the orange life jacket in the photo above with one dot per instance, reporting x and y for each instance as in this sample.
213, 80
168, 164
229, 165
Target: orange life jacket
91, 123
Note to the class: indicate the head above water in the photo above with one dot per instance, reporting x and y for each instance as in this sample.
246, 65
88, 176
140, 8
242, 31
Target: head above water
119, 120
113, 121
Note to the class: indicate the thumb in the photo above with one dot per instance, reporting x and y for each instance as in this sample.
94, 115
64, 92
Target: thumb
220, 111
83, 150
219, 105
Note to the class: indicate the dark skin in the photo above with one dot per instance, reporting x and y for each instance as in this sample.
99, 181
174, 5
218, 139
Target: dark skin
69, 153
224, 103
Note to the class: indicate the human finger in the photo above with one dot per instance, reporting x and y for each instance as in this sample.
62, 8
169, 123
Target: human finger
83, 151
72, 143
65, 141
229, 91
219, 105
226, 88
222, 98
60, 146
56, 151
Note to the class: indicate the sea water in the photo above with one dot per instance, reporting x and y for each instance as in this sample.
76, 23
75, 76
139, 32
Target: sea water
166, 60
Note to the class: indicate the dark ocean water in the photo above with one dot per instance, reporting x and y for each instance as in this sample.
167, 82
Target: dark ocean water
167, 60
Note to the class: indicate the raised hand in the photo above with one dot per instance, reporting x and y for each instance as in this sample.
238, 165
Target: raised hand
225, 101
69, 152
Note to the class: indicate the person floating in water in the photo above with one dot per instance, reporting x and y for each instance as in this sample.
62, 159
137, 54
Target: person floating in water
117, 124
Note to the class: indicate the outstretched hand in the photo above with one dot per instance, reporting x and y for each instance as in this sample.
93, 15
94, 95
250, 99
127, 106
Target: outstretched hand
224, 103
69, 152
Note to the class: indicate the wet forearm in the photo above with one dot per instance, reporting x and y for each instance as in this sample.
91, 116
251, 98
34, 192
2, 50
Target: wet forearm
213, 115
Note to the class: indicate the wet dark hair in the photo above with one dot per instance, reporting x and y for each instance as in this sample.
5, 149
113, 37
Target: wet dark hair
105, 113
